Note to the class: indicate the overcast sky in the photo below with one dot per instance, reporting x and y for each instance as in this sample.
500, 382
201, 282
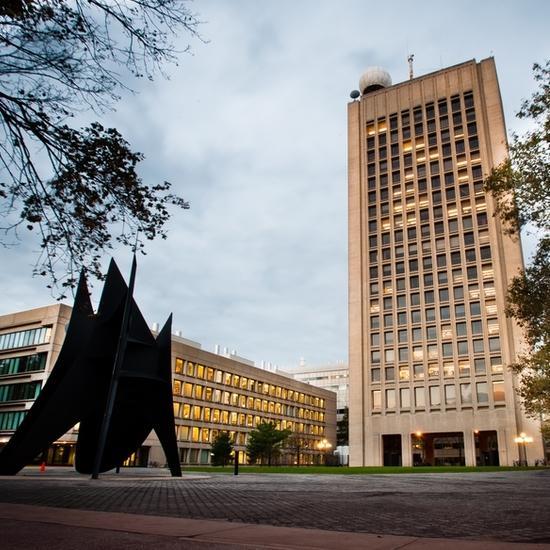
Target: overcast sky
251, 129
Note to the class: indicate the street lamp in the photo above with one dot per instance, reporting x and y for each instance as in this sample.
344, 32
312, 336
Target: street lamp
324, 446
522, 441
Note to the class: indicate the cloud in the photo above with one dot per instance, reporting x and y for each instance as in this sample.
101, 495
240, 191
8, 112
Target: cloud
252, 130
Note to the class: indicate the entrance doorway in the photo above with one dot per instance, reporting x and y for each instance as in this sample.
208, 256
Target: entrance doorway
438, 449
61, 454
486, 443
139, 458
391, 445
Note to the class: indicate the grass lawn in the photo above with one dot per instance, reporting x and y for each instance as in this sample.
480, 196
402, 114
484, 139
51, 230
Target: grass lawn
340, 470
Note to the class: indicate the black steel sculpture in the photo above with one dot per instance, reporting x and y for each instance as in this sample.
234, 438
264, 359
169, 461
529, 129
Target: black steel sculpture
113, 377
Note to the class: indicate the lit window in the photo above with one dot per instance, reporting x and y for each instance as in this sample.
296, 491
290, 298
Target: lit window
433, 370
448, 370
487, 272
489, 290
496, 364
195, 435
464, 368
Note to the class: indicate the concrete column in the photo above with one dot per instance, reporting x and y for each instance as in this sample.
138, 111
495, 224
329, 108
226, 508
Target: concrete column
406, 449
469, 448
507, 450
376, 458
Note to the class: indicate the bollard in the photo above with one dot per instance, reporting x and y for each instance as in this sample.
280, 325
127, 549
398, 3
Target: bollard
236, 464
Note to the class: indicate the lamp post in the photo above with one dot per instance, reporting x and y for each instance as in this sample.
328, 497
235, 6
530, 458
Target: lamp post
522, 439
324, 446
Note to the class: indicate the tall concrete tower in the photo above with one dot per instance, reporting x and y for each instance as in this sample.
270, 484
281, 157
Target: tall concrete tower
428, 270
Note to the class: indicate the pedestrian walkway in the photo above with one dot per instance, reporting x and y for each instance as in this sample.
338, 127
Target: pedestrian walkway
41, 527
147, 508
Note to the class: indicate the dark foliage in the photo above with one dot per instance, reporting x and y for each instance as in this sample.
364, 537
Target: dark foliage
221, 449
78, 188
521, 188
265, 442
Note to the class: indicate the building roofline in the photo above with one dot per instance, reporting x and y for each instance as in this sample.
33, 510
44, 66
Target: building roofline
421, 77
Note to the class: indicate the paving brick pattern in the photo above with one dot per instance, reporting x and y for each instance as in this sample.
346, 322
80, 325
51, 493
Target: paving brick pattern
507, 506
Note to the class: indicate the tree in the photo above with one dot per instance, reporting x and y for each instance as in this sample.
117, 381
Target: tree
265, 442
521, 184
221, 449
295, 445
78, 187
529, 304
521, 188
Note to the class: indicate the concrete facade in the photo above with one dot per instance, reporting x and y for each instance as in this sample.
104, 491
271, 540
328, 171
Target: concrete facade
429, 264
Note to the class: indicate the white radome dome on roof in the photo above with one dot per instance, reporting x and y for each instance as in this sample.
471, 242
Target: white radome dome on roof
374, 78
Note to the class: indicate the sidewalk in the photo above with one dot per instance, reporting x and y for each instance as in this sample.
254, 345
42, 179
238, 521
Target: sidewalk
40, 527
149, 509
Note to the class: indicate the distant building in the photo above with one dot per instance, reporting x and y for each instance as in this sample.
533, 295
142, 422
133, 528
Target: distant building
335, 378
330, 377
429, 266
212, 393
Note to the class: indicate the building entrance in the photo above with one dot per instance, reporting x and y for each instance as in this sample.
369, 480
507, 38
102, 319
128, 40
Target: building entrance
486, 443
61, 454
438, 449
391, 445
139, 458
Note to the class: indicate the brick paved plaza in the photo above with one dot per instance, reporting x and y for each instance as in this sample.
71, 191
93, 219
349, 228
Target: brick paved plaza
499, 506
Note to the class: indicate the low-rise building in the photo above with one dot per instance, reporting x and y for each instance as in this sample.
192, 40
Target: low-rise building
212, 393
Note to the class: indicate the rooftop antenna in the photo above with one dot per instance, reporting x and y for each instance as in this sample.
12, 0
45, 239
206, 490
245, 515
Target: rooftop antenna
410, 59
